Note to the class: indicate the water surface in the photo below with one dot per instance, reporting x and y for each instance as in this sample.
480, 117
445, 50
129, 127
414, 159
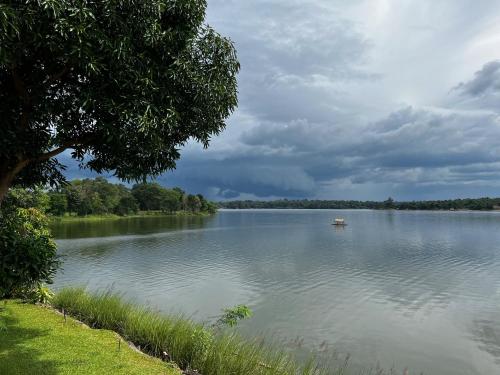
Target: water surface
410, 289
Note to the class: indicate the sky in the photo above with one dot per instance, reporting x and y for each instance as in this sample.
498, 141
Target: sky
354, 99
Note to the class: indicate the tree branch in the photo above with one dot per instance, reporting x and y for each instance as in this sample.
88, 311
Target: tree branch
52, 153
19, 86
57, 76
64, 146
22, 92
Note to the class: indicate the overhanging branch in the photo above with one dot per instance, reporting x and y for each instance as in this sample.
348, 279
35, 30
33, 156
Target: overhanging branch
52, 153
64, 146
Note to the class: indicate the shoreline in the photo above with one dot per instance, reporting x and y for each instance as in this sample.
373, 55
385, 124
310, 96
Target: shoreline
350, 209
195, 347
112, 217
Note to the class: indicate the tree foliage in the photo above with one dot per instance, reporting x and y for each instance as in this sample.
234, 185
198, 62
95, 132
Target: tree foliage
122, 83
27, 198
150, 197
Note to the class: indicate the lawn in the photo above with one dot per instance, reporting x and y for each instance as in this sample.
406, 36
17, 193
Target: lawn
37, 340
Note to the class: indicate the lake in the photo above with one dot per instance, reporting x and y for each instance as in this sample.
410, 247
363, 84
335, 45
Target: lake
410, 289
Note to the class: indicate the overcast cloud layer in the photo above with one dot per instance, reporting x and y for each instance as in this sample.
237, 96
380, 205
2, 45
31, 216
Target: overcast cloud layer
357, 99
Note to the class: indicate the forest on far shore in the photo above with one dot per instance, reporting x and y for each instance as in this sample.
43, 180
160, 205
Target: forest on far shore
481, 204
100, 197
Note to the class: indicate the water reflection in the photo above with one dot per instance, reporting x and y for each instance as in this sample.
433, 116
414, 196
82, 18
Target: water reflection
487, 335
123, 226
417, 289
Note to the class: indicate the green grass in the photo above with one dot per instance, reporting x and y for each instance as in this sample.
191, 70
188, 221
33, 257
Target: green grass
107, 217
37, 340
189, 344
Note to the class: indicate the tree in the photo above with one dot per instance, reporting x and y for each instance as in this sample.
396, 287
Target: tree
73, 196
169, 201
108, 193
148, 195
58, 203
96, 204
122, 83
127, 205
193, 203
389, 203
211, 207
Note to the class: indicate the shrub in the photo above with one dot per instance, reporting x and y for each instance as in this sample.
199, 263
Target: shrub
233, 315
35, 197
38, 294
27, 251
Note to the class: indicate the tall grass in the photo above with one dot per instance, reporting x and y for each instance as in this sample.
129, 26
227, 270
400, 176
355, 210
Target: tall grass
191, 345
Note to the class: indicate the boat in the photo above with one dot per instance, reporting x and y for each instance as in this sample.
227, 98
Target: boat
339, 222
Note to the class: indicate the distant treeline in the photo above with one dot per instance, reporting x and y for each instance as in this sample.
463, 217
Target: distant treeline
482, 204
100, 197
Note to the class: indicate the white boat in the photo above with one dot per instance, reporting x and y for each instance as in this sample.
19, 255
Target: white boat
339, 222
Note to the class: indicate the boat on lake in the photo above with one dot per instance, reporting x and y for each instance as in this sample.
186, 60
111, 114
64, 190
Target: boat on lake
339, 222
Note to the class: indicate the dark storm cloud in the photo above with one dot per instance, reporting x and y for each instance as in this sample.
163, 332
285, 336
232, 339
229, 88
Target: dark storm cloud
483, 90
408, 148
355, 99
252, 175
406, 138
485, 81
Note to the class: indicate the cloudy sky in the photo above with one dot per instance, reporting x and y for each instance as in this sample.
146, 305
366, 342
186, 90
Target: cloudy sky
355, 99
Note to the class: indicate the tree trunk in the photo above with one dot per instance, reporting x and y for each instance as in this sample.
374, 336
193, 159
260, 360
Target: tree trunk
7, 178
5, 182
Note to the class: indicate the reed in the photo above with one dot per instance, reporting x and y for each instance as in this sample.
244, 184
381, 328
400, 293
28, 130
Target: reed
176, 338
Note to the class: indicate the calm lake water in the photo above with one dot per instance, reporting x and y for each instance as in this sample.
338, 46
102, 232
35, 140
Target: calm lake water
409, 289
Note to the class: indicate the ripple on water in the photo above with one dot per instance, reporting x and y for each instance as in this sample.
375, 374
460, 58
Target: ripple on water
416, 289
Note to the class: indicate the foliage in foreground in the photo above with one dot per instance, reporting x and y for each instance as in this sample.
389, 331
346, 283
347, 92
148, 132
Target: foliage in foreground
123, 84
27, 251
39, 294
189, 344
37, 340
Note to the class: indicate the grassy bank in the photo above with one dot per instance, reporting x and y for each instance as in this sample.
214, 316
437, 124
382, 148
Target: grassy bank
189, 344
109, 217
37, 340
